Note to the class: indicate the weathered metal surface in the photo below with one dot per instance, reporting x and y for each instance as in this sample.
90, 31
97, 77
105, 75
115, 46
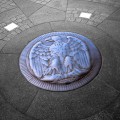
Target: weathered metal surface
60, 61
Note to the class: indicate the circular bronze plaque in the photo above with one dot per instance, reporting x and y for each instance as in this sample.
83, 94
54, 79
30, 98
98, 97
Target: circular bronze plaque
60, 61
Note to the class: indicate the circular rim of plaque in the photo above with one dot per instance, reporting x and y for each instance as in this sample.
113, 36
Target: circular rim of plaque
95, 57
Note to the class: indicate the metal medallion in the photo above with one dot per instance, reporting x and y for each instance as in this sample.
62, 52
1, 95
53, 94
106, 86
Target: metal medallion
60, 61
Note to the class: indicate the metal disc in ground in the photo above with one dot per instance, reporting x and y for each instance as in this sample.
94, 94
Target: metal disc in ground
60, 61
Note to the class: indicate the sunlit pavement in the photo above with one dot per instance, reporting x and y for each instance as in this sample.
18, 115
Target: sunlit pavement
99, 99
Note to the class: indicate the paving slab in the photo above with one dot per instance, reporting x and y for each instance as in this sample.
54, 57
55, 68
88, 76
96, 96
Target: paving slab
110, 50
115, 3
47, 14
13, 16
112, 28
83, 29
103, 115
16, 90
43, 2
2, 43
7, 112
99, 12
6, 5
58, 4
2, 35
2, 101
27, 6
17, 44
111, 112
5, 16
91, 5
77, 104
114, 109
9, 64
115, 16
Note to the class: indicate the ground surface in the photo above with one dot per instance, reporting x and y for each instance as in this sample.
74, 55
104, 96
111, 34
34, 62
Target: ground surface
98, 100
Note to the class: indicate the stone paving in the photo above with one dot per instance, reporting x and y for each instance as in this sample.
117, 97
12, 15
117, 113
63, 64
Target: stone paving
6, 5
43, 2
115, 3
20, 19
99, 99
72, 14
99, 14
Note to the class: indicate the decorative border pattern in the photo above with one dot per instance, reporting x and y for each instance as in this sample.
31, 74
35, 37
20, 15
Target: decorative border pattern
95, 57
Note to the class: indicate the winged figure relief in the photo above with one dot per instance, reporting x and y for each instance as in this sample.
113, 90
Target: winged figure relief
60, 58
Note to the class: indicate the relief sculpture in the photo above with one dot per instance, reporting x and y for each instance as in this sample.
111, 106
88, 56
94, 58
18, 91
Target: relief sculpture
60, 61
57, 59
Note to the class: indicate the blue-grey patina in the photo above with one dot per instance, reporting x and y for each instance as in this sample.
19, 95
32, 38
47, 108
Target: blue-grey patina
60, 61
